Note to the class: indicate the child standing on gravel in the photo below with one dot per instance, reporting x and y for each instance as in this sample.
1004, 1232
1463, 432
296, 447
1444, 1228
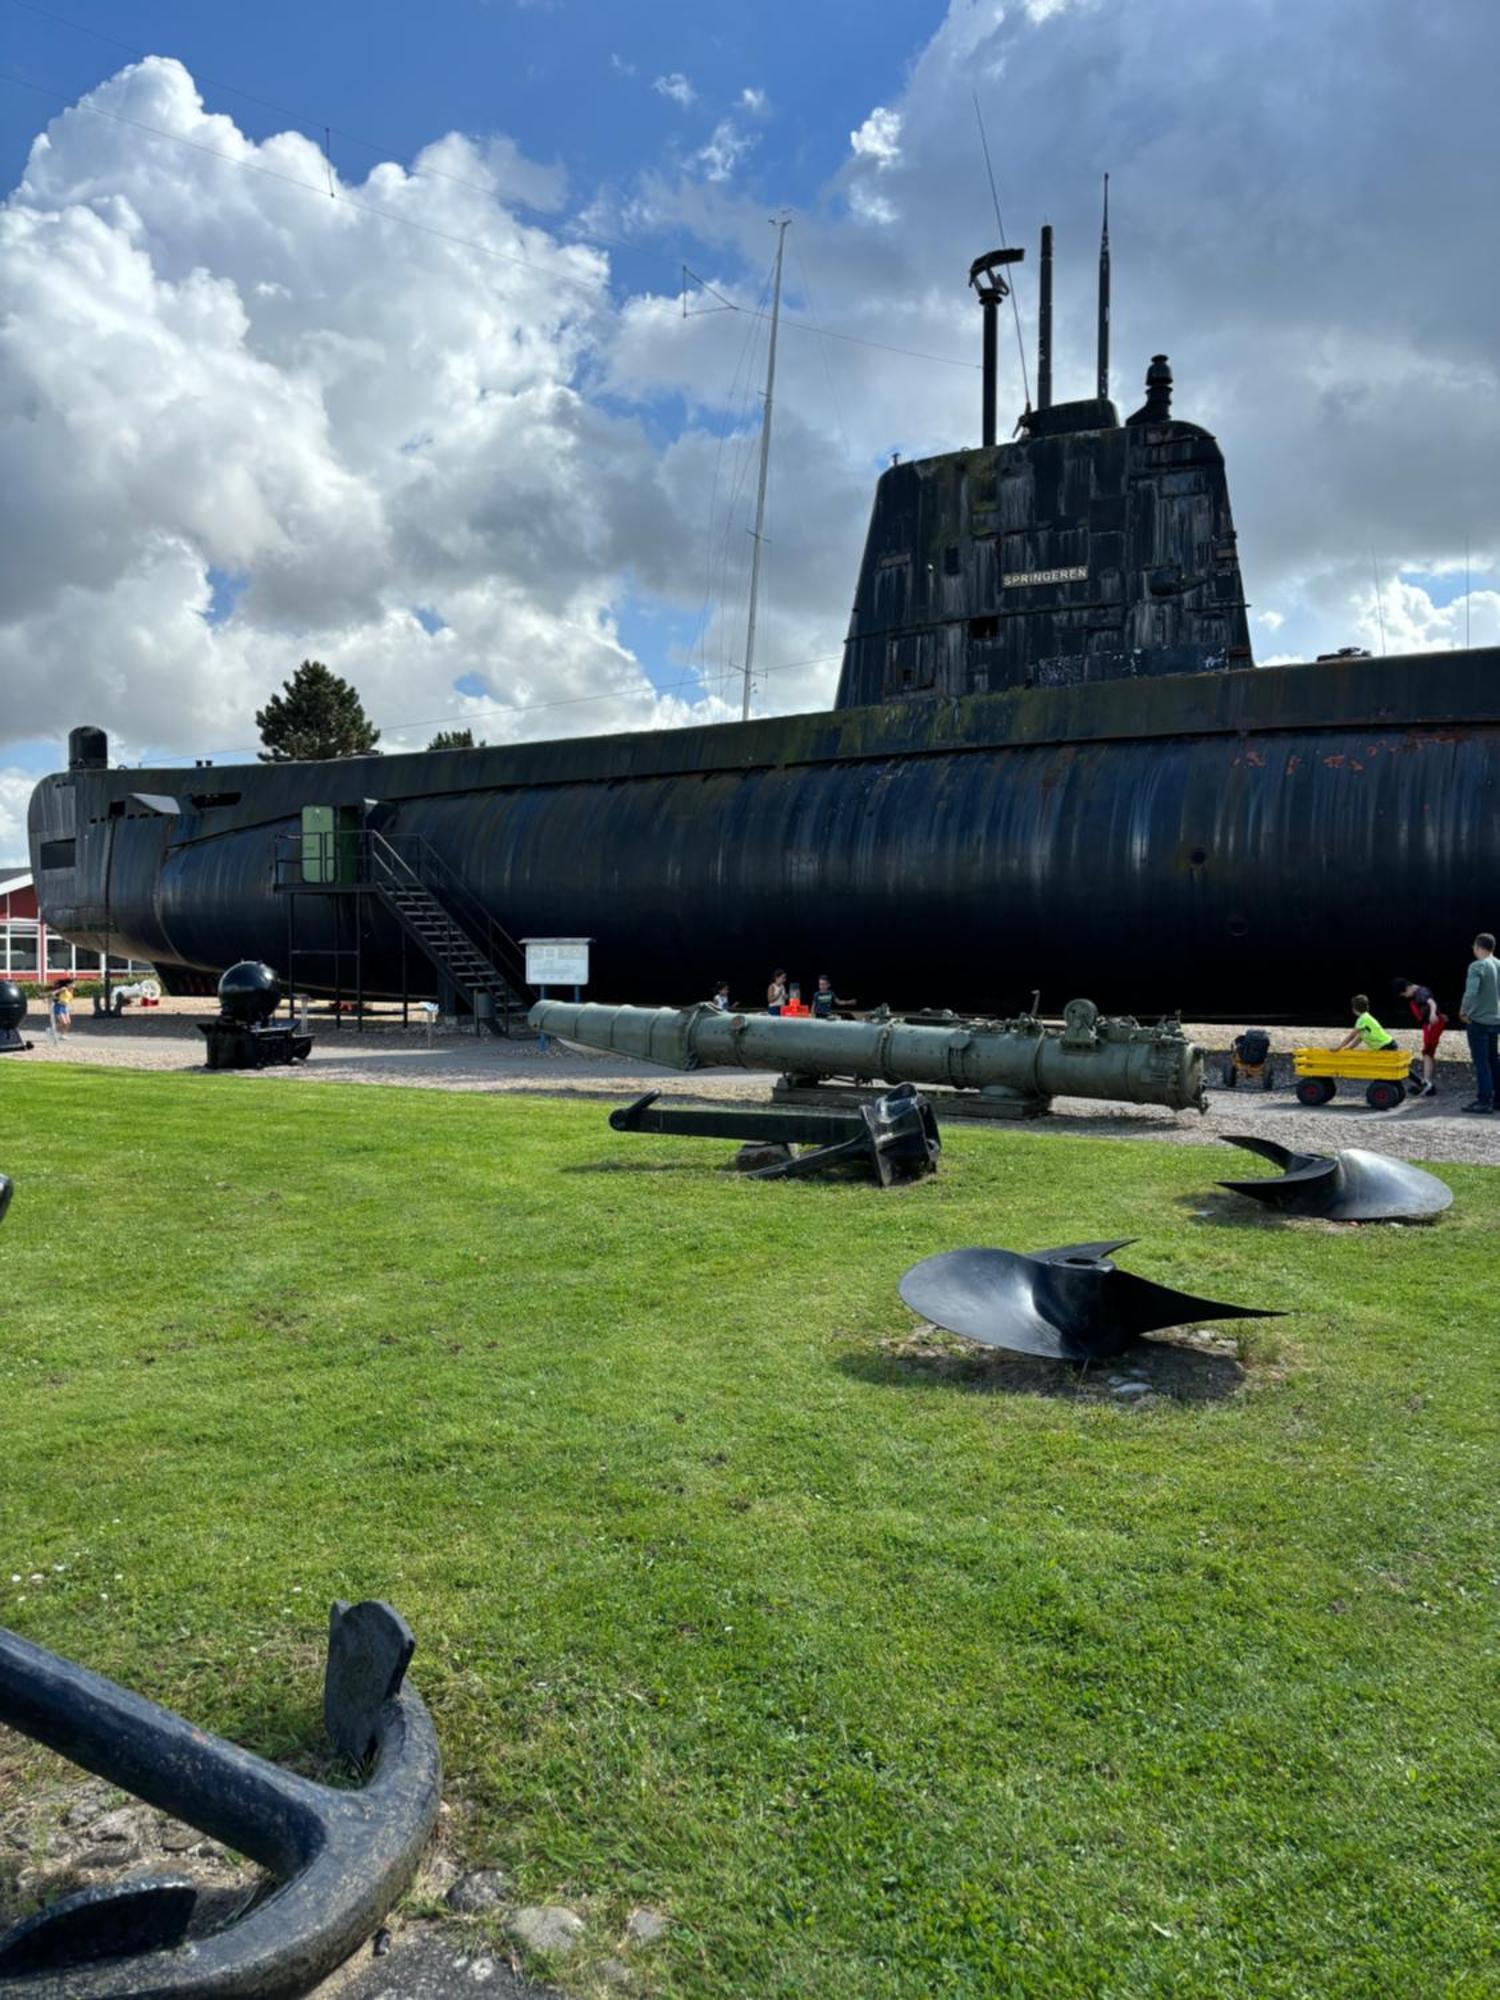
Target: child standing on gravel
1431, 1019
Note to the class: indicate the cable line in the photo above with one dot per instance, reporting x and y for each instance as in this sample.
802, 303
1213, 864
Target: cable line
1000, 225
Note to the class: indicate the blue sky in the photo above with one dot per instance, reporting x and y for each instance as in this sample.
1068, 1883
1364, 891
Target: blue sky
570, 82
604, 91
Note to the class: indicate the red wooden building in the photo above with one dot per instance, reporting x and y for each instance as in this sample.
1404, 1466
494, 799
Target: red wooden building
30, 951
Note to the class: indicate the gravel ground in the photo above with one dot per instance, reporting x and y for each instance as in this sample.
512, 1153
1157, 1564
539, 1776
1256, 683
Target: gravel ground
1430, 1129
61, 1832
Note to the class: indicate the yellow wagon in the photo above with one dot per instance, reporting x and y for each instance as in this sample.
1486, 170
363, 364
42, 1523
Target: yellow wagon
1382, 1071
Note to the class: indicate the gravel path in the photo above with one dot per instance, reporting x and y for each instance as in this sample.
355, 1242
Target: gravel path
1430, 1129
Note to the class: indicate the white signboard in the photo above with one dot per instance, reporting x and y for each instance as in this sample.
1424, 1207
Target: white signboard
557, 961
1075, 573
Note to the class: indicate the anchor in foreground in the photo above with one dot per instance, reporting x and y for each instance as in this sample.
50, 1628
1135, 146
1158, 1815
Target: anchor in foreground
339, 1858
1069, 1304
893, 1139
1352, 1186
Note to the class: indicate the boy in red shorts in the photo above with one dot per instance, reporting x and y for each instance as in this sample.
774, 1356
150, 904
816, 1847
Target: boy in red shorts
1431, 1019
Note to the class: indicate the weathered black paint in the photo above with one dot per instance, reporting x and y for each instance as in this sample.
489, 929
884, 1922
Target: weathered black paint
1252, 844
947, 604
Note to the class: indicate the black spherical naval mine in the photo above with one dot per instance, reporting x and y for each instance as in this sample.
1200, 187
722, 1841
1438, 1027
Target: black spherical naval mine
249, 993
12, 1005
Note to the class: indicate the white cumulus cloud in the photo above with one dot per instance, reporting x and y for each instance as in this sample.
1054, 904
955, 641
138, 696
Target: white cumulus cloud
879, 138
725, 148
676, 86
207, 373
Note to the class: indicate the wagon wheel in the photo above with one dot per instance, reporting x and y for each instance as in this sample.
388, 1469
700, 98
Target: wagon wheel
1385, 1096
1315, 1090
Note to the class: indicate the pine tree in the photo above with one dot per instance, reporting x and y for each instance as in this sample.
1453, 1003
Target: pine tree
455, 739
319, 715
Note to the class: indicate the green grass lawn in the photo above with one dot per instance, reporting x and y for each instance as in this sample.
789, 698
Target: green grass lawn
879, 1680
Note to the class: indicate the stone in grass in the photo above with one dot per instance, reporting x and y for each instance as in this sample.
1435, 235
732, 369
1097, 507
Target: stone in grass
645, 1926
480, 1890
113, 1838
615, 1972
91, 1802
756, 1154
1133, 1389
174, 1837
545, 1927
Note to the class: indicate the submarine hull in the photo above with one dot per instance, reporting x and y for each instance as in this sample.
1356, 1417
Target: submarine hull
1236, 845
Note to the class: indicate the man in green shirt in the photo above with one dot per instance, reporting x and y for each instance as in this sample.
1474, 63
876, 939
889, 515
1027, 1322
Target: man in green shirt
1366, 1030
1480, 1013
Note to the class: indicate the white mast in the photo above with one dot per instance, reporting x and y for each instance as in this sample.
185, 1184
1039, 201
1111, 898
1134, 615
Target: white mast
758, 534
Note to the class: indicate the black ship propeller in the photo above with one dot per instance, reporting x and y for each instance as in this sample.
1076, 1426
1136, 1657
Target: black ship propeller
1351, 1186
1068, 1304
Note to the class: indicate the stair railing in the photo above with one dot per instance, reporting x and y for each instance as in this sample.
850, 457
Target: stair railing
422, 865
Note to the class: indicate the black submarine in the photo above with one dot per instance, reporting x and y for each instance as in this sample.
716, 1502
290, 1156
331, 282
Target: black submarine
1051, 765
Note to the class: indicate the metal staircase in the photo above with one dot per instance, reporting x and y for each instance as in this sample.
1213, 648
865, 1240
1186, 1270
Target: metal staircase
450, 926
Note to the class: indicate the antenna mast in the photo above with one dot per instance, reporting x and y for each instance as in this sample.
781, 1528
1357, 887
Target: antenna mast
1379, 606
758, 532
1104, 299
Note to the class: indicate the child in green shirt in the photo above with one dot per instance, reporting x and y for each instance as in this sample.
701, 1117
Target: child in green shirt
1366, 1029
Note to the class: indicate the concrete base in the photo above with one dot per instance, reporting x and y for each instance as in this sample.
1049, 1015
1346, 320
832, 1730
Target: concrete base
432, 1962
991, 1106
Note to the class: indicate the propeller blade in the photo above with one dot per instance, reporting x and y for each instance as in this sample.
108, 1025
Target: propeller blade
1351, 1186
1070, 1304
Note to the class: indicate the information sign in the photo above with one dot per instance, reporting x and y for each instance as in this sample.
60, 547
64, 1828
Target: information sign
557, 961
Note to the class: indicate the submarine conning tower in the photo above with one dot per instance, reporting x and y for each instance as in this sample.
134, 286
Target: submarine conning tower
1084, 550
